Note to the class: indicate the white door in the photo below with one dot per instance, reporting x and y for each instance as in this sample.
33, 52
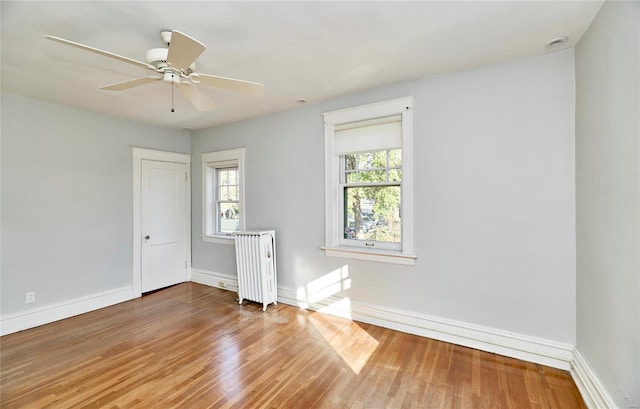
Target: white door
163, 224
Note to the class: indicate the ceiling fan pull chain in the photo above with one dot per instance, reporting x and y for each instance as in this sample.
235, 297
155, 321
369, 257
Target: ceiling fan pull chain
172, 110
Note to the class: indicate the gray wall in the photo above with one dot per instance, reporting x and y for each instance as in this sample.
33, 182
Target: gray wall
67, 200
608, 198
494, 197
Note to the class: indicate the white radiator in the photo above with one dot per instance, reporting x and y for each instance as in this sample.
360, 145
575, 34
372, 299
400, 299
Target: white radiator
256, 265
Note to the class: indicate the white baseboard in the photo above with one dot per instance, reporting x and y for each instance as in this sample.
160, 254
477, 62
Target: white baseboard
19, 321
524, 347
527, 348
218, 280
593, 392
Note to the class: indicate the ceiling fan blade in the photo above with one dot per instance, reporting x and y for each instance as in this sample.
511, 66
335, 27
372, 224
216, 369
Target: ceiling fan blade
101, 52
229, 84
119, 86
183, 50
196, 97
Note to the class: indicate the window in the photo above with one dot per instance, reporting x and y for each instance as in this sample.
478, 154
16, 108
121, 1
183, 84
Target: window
368, 182
223, 195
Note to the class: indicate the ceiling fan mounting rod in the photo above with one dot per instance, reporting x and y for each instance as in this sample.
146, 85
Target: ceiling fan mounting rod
166, 36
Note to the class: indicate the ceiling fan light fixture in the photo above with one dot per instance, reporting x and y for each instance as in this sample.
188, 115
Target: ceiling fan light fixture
171, 78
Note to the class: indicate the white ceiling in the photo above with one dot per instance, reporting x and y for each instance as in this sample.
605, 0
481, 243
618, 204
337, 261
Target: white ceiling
298, 50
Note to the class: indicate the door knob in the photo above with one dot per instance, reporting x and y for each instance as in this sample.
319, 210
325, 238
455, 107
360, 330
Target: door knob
147, 237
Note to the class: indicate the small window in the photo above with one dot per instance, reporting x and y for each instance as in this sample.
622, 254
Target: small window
368, 182
223, 195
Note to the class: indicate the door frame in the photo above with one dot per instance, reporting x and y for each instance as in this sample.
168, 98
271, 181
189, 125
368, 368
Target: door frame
140, 154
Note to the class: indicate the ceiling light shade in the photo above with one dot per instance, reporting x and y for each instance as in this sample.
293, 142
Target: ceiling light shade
171, 78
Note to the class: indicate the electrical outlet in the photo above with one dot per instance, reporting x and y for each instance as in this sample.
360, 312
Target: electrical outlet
30, 297
222, 284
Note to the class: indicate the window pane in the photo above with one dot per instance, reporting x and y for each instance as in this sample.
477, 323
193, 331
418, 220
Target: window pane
228, 217
395, 175
395, 158
349, 162
379, 159
373, 176
372, 214
233, 193
223, 177
351, 177
365, 160
233, 176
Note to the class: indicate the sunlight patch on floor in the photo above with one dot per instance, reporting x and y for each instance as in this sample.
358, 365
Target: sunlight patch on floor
354, 345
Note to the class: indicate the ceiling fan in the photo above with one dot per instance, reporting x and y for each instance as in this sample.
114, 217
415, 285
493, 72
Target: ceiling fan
175, 65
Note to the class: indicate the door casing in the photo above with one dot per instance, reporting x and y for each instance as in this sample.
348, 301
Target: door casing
140, 154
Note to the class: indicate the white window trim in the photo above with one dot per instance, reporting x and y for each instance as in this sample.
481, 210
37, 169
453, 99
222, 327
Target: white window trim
400, 106
214, 160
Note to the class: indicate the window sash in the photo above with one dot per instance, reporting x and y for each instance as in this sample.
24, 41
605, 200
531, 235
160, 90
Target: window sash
387, 170
226, 187
371, 229
365, 234
224, 218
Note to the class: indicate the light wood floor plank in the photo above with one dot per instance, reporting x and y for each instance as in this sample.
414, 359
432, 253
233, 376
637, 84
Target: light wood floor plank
193, 346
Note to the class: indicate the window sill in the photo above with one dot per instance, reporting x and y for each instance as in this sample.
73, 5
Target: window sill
229, 240
380, 256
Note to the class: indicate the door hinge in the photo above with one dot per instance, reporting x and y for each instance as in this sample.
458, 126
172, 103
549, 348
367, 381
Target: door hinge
185, 264
186, 176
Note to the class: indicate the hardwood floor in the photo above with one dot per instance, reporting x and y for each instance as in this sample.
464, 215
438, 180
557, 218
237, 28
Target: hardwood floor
193, 346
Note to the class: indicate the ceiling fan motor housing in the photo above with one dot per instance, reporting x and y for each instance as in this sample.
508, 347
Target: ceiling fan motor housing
157, 57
